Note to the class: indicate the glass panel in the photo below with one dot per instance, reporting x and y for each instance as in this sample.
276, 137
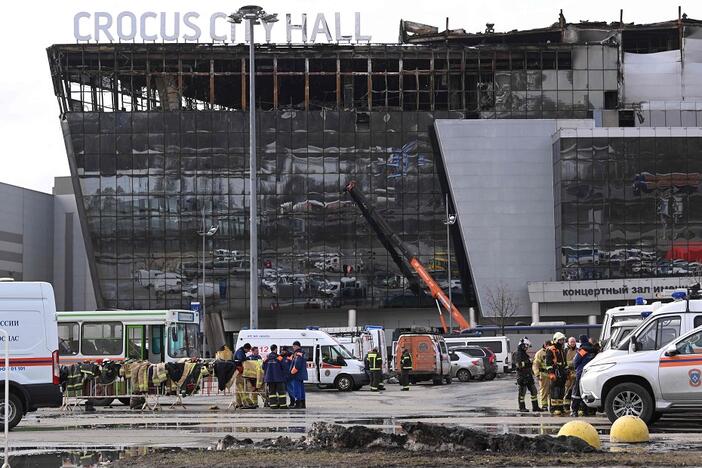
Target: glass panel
68, 335
102, 339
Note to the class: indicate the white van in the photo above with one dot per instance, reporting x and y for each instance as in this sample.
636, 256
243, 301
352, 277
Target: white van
662, 326
617, 314
361, 340
500, 345
28, 314
328, 362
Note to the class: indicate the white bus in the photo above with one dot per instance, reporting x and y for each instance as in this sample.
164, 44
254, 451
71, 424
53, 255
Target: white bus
153, 335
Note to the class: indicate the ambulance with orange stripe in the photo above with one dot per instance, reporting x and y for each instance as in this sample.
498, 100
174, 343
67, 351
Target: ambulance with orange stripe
657, 370
28, 315
328, 362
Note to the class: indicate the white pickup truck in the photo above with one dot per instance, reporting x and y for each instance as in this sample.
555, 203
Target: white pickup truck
648, 381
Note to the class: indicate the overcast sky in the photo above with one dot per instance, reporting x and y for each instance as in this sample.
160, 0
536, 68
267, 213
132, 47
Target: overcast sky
33, 149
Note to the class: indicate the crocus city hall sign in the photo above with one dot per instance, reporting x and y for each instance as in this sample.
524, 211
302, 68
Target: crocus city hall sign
151, 26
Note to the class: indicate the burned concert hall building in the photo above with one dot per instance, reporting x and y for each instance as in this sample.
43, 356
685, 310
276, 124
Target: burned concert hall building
571, 156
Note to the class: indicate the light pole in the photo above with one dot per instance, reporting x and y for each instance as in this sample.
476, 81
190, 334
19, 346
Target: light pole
449, 221
205, 234
252, 14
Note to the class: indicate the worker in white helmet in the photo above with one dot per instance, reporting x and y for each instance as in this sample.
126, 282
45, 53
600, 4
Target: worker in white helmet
557, 368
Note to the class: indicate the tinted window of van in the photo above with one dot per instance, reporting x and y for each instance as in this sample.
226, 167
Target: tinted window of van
102, 339
494, 346
68, 338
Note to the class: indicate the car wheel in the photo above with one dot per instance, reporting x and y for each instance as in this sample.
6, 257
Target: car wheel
15, 410
463, 375
491, 376
629, 399
344, 383
436, 381
448, 380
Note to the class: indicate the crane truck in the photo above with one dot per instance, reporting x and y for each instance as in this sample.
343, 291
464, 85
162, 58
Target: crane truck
405, 260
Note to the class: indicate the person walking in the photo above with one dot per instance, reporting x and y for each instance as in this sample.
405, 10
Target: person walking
525, 378
557, 372
274, 377
538, 368
585, 354
406, 367
374, 364
570, 352
298, 373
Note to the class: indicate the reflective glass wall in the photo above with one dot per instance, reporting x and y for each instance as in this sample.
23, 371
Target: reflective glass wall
147, 179
628, 207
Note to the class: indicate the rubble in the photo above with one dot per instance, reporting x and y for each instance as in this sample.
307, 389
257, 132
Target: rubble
417, 437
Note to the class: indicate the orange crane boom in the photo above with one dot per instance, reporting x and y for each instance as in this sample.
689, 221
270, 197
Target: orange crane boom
402, 256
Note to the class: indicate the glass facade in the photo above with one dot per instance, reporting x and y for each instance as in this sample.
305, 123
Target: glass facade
159, 148
628, 207
146, 177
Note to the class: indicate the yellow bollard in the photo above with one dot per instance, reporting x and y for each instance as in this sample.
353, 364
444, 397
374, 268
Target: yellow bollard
630, 430
581, 430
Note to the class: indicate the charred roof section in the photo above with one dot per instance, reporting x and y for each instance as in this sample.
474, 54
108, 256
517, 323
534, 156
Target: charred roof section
637, 38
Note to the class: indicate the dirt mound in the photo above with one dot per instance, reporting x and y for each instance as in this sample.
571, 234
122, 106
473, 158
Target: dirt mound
323, 435
418, 437
434, 437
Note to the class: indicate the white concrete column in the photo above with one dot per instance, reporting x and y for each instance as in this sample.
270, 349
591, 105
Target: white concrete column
592, 319
535, 312
471, 317
352, 317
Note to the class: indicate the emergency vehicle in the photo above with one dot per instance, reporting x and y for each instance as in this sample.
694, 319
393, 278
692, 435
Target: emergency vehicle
649, 382
28, 314
361, 340
328, 362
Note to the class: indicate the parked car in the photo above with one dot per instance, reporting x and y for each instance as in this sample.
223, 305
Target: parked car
487, 356
647, 382
500, 345
465, 367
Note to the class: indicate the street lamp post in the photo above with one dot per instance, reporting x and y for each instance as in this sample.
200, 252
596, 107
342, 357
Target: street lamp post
205, 234
449, 221
252, 14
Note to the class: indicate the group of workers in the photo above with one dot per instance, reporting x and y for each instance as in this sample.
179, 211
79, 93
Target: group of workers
558, 367
274, 377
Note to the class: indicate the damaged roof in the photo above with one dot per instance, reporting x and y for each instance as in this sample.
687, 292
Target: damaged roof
412, 32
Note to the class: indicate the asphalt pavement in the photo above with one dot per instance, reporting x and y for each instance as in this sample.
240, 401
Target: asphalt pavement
490, 406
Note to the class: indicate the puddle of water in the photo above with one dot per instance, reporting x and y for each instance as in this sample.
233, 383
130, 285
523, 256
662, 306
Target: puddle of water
82, 459
189, 426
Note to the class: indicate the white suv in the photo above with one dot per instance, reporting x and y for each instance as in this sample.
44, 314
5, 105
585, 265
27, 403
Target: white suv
647, 383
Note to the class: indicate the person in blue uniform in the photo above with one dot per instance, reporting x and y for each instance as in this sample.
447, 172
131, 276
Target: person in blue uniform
298, 375
274, 377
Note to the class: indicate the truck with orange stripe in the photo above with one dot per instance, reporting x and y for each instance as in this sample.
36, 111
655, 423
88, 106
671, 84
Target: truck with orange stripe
656, 370
28, 316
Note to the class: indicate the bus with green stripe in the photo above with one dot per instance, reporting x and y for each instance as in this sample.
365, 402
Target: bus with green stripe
116, 335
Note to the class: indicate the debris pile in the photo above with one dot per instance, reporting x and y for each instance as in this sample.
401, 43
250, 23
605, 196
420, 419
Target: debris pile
419, 437
434, 437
